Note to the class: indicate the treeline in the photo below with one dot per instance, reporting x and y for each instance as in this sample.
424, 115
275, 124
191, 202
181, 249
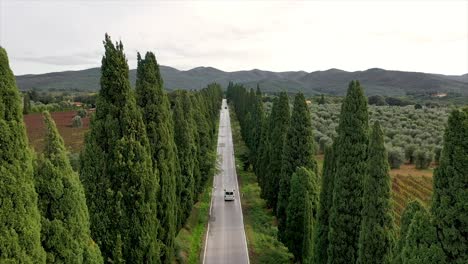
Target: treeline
146, 158
345, 214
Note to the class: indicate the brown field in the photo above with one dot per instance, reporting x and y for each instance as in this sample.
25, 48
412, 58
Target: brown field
73, 137
410, 183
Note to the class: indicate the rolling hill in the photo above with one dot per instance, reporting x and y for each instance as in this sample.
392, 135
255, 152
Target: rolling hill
332, 81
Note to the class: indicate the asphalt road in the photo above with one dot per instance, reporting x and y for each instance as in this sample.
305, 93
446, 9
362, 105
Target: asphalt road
225, 240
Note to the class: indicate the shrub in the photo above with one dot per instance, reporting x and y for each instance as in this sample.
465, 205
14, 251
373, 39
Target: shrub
409, 153
396, 157
376, 100
76, 122
422, 159
82, 113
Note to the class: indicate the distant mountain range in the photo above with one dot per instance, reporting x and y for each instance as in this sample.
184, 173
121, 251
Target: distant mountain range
333, 81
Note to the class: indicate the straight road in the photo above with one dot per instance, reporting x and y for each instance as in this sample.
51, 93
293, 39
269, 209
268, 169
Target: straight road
225, 239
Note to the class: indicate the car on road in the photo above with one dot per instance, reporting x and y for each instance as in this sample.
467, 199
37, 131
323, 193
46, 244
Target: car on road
225, 107
229, 195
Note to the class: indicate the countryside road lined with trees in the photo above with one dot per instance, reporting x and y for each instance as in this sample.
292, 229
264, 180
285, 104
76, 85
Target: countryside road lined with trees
225, 241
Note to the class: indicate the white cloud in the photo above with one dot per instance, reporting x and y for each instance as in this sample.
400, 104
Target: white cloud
429, 36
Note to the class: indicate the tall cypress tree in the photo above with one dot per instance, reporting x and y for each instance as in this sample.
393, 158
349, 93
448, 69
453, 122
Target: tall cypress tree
263, 158
206, 156
117, 171
405, 221
298, 152
450, 198
320, 255
186, 151
421, 245
257, 123
301, 212
279, 124
20, 221
376, 239
62, 204
160, 130
351, 166
26, 104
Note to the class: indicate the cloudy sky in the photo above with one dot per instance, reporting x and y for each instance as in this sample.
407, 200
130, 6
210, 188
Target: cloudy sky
429, 36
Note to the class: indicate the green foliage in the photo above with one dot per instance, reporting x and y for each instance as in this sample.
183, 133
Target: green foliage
326, 200
421, 245
396, 157
76, 122
376, 100
351, 166
376, 238
322, 100
62, 204
410, 150
260, 229
82, 113
157, 117
301, 212
406, 218
422, 159
20, 221
26, 104
450, 198
404, 127
116, 169
298, 152
186, 152
279, 125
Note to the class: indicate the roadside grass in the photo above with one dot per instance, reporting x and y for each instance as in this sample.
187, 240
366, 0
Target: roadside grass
259, 222
189, 241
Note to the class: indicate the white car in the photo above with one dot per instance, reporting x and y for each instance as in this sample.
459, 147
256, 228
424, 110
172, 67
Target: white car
229, 195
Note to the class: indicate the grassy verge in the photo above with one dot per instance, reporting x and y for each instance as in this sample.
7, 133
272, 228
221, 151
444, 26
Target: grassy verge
259, 222
189, 241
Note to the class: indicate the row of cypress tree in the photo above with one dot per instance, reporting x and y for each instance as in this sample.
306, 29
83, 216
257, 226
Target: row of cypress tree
346, 216
146, 158
282, 152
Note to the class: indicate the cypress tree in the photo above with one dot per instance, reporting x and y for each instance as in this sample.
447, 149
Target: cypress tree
263, 158
326, 198
26, 104
351, 166
301, 211
298, 152
376, 238
185, 143
20, 221
279, 124
117, 171
160, 130
62, 204
450, 198
257, 118
205, 156
421, 245
406, 218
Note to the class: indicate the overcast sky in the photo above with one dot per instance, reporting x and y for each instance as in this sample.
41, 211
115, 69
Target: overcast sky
429, 36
